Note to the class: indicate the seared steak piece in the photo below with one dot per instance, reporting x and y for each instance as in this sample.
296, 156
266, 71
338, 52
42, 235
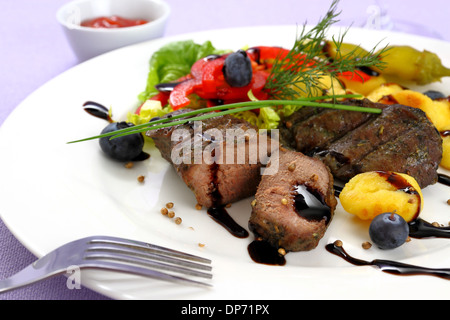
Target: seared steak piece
204, 161
400, 139
293, 208
326, 126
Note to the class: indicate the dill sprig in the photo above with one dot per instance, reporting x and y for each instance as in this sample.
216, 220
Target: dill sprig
300, 72
294, 81
211, 112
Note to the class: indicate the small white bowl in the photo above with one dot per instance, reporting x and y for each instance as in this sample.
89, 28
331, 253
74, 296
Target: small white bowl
88, 42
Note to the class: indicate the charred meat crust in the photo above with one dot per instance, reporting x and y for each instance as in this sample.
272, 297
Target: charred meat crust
217, 182
400, 139
274, 217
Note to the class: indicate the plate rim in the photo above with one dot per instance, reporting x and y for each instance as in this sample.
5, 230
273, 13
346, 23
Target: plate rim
11, 117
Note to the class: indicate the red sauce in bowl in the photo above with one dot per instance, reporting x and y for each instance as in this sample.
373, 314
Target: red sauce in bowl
112, 22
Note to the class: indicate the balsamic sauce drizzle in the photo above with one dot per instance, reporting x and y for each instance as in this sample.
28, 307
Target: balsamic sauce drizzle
263, 252
221, 216
444, 179
388, 266
218, 212
97, 110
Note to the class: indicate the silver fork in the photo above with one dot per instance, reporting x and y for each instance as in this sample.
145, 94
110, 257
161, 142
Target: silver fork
114, 254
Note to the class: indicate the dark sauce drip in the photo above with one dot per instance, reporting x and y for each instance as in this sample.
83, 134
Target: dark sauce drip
218, 212
212, 57
369, 71
445, 133
337, 191
167, 87
420, 228
444, 179
400, 183
256, 52
263, 252
97, 110
221, 216
339, 157
388, 266
310, 205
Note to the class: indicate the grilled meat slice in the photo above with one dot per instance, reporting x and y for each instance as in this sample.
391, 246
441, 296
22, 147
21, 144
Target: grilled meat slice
400, 139
316, 132
293, 208
216, 173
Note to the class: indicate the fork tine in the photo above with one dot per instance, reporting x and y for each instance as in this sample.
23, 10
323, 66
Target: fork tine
130, 269
147, 262
147, 247
129, 252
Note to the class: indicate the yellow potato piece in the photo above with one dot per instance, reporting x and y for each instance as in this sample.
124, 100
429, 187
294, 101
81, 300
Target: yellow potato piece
438, 111
445, 163
384, 90
372, 193
365, 87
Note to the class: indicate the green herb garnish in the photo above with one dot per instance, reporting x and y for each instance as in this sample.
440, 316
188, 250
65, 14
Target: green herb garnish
289, 81
207, 113
300, 71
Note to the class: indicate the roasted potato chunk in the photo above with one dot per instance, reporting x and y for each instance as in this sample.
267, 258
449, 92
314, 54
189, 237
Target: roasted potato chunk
372, 193
445, 163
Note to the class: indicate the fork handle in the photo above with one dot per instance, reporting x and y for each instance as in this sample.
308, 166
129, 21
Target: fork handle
27, 276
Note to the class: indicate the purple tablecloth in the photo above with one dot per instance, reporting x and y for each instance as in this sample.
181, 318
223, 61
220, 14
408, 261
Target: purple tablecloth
33, 50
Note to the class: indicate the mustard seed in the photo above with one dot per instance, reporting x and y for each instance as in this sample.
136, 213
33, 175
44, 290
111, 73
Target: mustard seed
129, 165
367, 245
169, 205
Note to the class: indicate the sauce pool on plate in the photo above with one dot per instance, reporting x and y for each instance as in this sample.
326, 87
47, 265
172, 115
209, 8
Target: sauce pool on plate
112, 22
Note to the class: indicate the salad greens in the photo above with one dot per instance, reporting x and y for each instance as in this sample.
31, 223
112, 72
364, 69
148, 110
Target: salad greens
174, 61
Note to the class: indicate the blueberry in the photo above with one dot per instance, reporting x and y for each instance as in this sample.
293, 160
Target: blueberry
434, 95
124, 148
237, 69
388, 230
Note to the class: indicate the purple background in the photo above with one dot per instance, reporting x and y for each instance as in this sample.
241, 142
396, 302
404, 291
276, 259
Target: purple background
33, 50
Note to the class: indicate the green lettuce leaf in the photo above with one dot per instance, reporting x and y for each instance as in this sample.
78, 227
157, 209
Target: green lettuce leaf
174, 61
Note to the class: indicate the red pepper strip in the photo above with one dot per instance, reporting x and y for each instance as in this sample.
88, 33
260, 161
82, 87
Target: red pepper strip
266, 56
224, 91
212, 74
162, 97
179, 96
356, 75
197, 68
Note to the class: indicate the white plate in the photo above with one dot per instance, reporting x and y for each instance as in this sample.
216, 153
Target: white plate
53, 192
